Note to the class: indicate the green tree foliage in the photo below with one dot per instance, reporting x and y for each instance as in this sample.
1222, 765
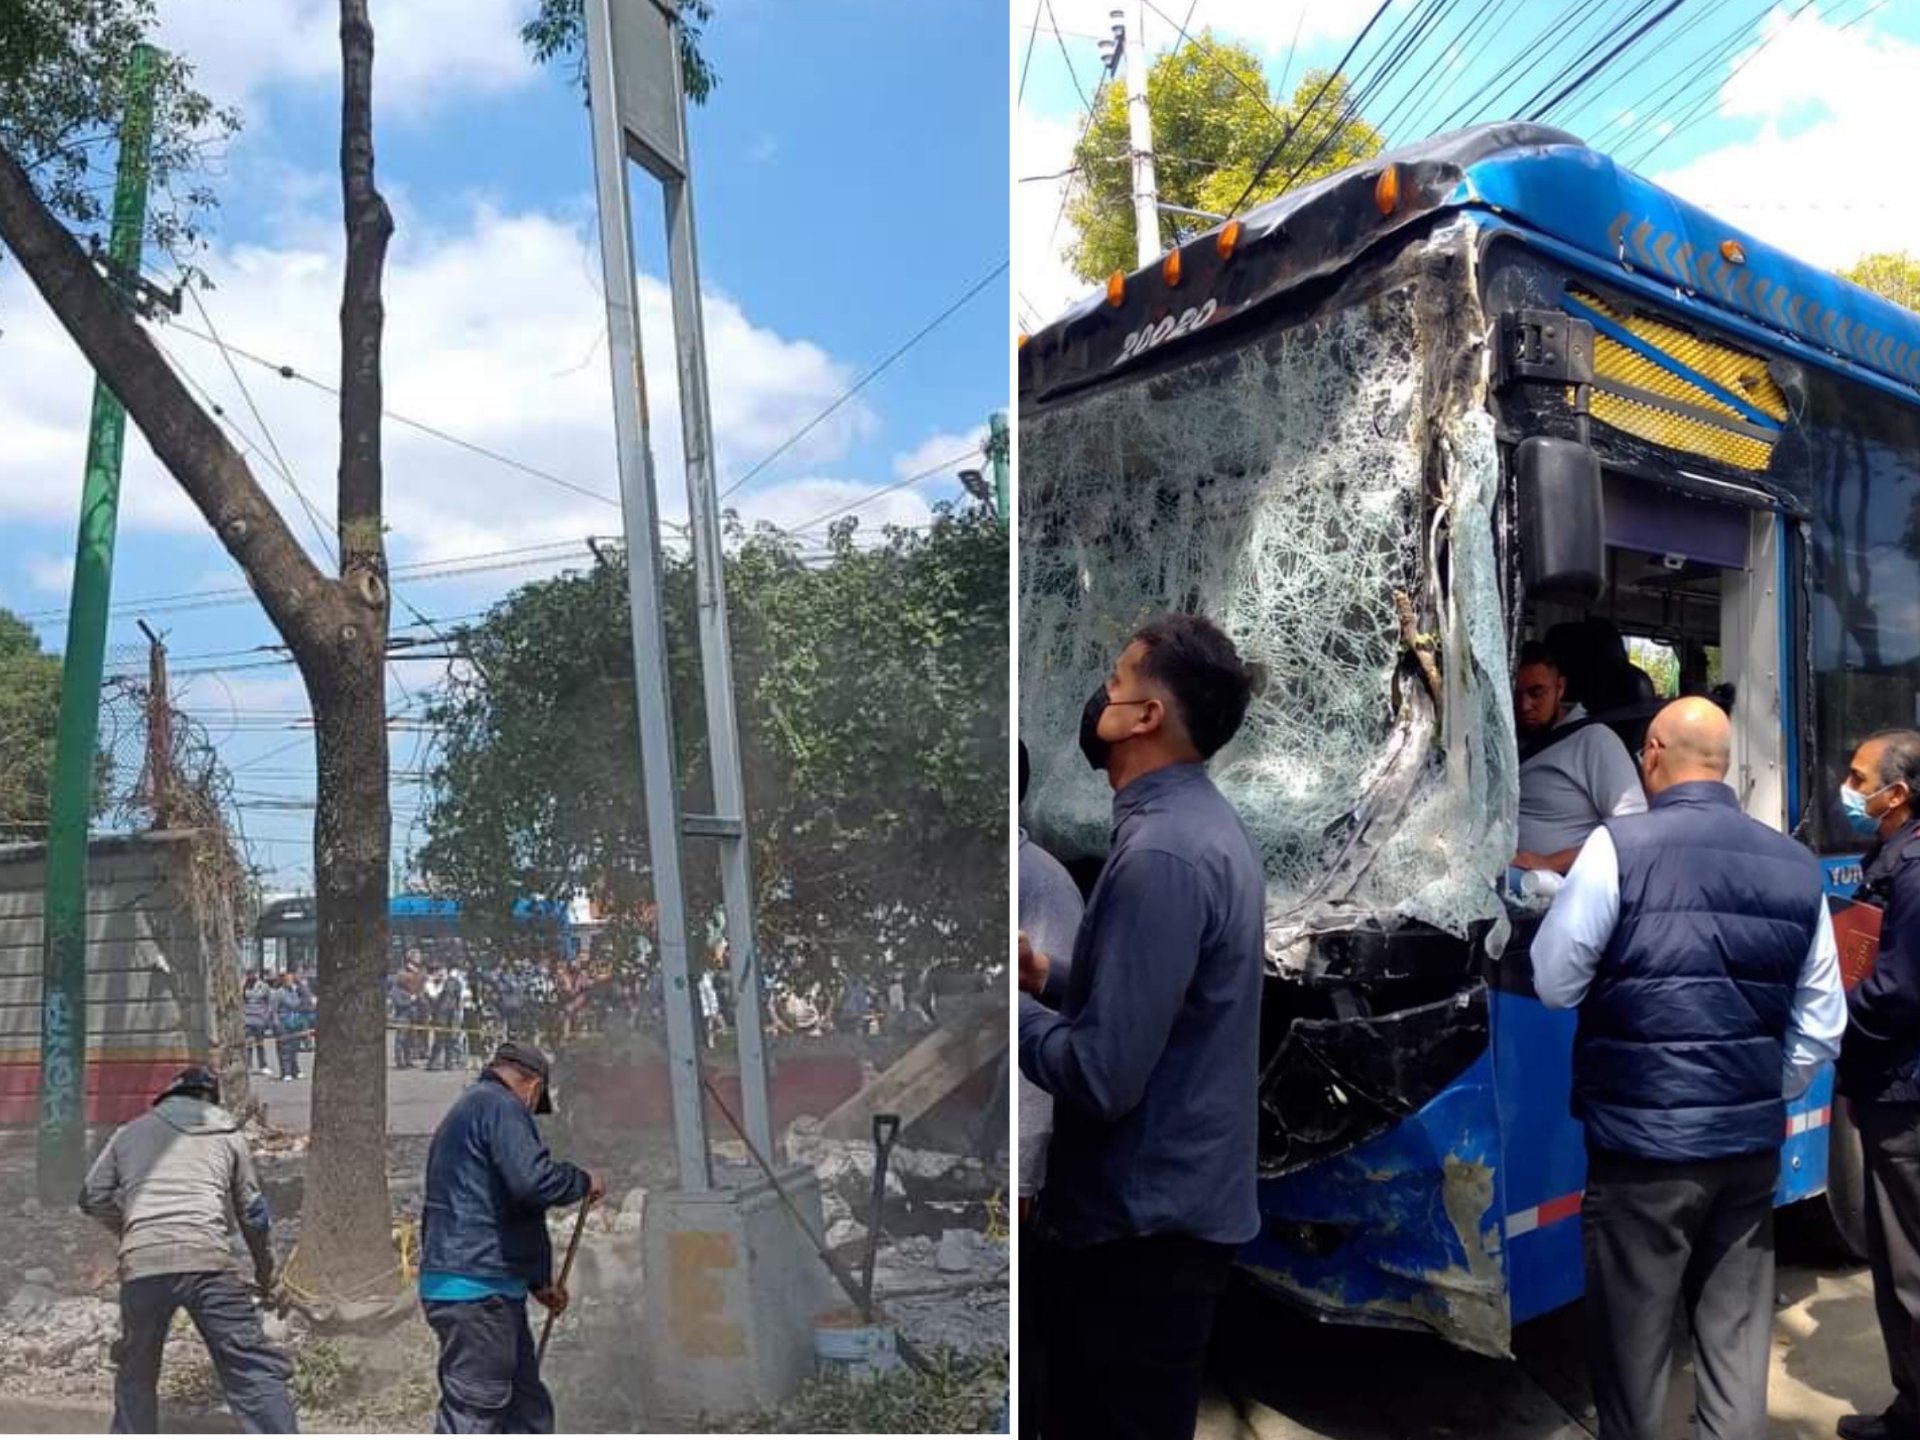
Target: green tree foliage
1211, 131
29, 714
871, 686
559, 32
63, 64
1893, 275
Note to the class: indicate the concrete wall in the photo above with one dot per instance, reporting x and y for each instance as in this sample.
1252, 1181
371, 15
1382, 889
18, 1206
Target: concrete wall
149, 1008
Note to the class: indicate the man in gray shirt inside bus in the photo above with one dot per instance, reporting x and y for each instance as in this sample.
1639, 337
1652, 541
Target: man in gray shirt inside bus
1148, 1039
1575, 773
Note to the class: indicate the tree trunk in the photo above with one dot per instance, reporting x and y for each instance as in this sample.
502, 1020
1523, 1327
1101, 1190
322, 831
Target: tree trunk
337, 631
346, 1226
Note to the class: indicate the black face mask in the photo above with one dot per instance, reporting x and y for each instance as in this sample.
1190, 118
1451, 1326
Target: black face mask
1091, 745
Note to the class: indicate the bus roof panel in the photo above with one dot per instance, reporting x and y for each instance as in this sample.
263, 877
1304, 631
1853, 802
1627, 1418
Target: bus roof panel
1535, 177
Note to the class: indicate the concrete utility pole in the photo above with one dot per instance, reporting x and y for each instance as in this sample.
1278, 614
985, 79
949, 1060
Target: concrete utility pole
1131, 49
62, 1146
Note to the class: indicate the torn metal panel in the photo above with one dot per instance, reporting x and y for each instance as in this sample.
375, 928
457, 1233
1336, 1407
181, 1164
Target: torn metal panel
1402, 1231
1333, 1083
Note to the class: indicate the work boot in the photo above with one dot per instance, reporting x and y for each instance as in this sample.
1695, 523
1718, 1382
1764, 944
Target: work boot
1875, 1427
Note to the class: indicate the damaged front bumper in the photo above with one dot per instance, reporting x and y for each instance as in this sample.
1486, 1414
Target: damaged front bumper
1380, 1141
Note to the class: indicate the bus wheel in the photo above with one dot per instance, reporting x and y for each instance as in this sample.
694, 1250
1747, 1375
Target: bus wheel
1846, 1183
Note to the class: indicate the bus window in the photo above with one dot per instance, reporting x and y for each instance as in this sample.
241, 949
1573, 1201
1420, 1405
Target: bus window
1864, 579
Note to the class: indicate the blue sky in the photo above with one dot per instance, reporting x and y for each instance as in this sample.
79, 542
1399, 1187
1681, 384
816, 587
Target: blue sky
1790, 142
849, 183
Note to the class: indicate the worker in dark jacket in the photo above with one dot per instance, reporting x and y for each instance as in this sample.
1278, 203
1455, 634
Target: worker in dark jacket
484, 1246
1697, 945
1879, 1073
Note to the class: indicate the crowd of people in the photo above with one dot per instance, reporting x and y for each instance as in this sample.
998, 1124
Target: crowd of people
281, 1008
1694, 941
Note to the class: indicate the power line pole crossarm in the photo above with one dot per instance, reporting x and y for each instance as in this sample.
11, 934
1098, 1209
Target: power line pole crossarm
62, 1141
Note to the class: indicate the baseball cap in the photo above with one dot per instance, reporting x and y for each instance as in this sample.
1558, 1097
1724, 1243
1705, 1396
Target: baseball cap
194, 1080
528, 1058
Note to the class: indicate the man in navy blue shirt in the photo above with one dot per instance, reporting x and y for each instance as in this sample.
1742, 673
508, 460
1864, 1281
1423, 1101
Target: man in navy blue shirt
1147, 1038
1879, 1073
484, 1246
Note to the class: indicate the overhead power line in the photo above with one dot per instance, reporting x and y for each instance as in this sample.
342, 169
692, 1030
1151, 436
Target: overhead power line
1260, 171
872, 374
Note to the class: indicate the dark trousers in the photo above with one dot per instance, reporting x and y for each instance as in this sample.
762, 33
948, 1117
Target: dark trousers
1127, 1324
1033, 1332
1890, 1139
1657, 1235
252, 1371
257, 1046
489, 1376
288, 1049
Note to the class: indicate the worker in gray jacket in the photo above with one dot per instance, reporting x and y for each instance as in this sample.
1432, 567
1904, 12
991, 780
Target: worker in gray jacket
171, 1185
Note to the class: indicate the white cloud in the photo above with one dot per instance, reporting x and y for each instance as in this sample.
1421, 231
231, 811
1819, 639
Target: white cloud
937, 451
1043, 283
50, 573
1813, 178
424, 50
494, 333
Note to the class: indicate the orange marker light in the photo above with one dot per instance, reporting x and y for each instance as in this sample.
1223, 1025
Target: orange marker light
1386, 190
1116, 288
1170, 268
1731, 252
1021, 343
1228, 237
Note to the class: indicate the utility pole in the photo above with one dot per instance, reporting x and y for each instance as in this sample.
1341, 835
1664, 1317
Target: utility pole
61, 1155
1131, 50
999, 451
158, 786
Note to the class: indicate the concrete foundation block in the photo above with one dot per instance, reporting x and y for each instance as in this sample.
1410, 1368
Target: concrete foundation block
733, 1289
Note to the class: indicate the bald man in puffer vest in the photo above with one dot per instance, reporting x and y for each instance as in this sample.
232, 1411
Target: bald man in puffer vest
1696, 943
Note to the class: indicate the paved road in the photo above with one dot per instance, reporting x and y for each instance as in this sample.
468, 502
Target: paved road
1279, 1377
416, 1099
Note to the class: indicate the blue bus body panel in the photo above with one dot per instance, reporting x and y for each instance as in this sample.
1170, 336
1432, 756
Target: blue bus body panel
1545, 1158
1546, 1163
1418, 1212
1581, 198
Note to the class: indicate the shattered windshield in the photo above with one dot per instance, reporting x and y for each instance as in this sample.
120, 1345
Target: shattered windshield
1277, 487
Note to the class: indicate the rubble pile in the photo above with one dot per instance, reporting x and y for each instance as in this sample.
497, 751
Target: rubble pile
929, 1192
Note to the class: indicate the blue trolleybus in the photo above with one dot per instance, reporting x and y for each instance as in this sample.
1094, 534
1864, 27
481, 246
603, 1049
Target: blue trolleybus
1386, 428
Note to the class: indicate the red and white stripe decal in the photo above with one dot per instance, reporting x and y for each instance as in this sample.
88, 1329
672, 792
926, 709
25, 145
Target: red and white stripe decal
1809, 1120
1537, 1217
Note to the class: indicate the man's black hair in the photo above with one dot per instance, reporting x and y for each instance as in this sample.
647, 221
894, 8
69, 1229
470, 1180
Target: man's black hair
1900, 759
1536, 652
1195, 660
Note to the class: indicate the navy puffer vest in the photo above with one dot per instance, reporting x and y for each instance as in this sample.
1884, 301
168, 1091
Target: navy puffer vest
1681, 1037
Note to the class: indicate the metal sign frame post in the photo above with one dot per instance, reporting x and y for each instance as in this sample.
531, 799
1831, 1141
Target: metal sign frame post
639, 114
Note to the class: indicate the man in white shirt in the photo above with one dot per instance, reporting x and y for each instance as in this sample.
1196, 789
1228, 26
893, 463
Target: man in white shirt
1574, 771
1696, 943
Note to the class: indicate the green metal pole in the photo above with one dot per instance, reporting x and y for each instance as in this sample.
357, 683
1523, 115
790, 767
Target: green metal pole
63, 983
999, 450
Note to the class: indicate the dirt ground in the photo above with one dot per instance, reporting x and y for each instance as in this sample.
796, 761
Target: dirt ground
1277, 1376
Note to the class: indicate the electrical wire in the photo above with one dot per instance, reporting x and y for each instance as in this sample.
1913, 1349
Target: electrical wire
872, 374
1646, 28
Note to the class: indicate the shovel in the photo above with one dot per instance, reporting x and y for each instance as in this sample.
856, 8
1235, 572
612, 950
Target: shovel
566, 1269
886, 1129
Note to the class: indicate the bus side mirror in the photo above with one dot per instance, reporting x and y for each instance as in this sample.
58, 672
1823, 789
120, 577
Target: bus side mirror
1563, 547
